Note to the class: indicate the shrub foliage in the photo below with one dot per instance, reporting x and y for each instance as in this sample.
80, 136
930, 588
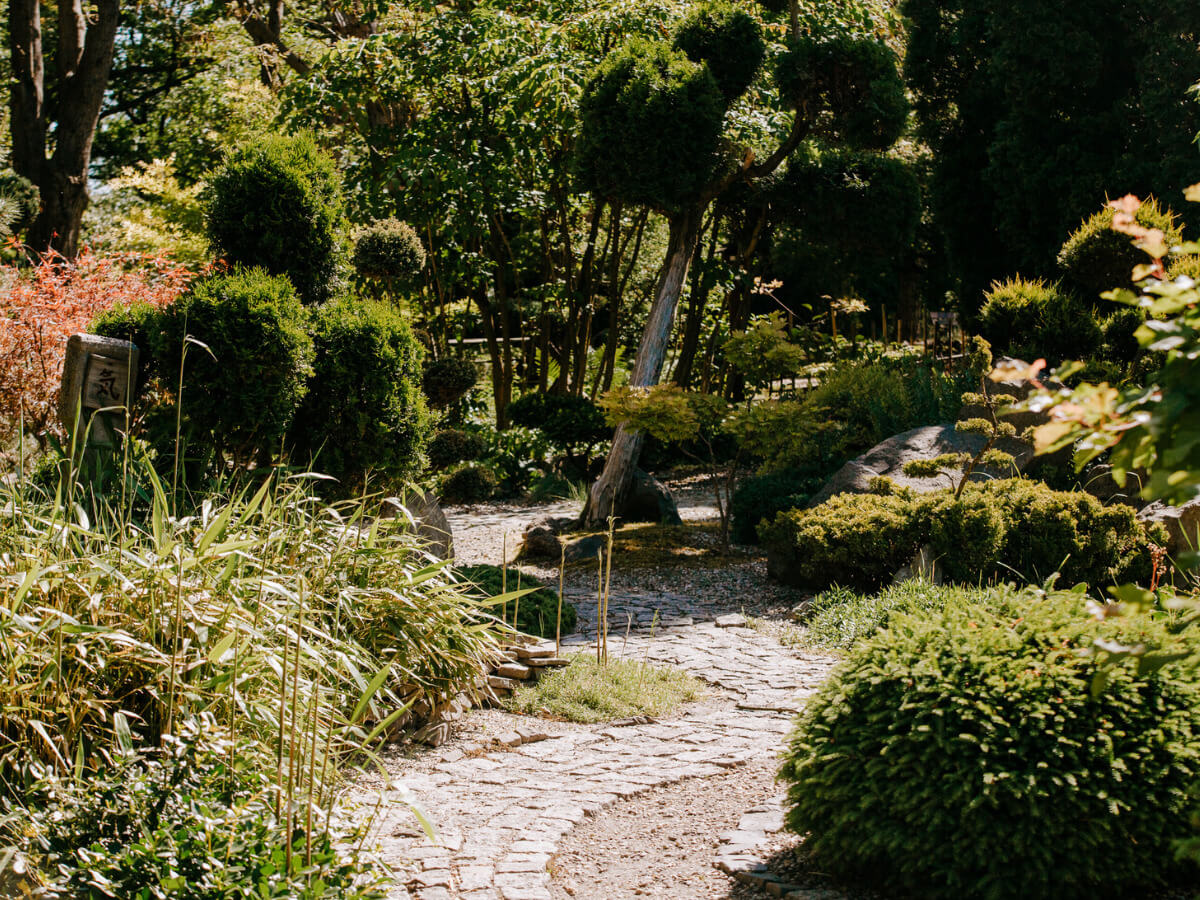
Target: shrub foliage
963, 754
277, 203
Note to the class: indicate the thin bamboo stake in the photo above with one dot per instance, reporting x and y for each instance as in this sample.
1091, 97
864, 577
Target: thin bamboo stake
562, 571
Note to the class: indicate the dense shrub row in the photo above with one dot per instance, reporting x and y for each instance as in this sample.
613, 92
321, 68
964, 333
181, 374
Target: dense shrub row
995, 530
337, 385
962, 753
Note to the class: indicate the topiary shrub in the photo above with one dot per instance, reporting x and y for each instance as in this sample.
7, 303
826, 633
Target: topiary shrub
962, 754
855, 540
1036, 319
571, 424
364, 414
246, 376
537, 612
650, 125
856, 78
1120, 345
277, 203
728, 40
448, 380
389, 250
1096, 259
996, 530
450, 446
760, 497
470, 484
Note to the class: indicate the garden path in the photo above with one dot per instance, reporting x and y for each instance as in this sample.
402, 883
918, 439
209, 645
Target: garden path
505, 800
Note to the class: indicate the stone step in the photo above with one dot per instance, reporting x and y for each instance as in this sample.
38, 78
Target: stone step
527, 653
513, 670
548, 662
499, 683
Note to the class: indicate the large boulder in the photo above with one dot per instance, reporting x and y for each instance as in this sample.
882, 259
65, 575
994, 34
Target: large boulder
649, 501
889, 458
427, 518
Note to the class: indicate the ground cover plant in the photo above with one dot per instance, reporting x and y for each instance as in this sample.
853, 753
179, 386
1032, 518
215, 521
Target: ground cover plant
915, 762
588, 691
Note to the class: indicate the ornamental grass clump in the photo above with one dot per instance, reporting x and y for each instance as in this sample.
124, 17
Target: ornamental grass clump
965, 754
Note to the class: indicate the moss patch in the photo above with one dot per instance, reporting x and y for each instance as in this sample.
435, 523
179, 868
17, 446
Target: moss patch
588, 692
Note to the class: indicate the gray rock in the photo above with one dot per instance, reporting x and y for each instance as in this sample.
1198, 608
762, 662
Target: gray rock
429, 521
924, 566
649, 501
731, 620
1181, 522
435, 734
539, 542
888, 459
1097, 480
586, 548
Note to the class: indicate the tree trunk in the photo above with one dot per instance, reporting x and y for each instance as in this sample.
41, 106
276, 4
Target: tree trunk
82, 63
613, 484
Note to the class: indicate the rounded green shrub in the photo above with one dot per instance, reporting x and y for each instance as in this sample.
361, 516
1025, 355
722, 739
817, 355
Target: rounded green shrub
448, 380
854, 540
1096, 259
389, 249
450, 446
650, 124
246, 376
364, 413
470, 484
277, 203
963, 754
996, 530
728, 40
760, 497
565, 420
537, 611
1038, 320
850, 83
26, 200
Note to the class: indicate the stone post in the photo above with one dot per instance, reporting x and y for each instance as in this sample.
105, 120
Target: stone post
98, 381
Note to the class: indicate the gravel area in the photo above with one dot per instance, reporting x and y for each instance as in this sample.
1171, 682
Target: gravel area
662, 844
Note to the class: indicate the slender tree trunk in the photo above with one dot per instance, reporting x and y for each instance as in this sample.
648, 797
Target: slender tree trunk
613, 484
682, 375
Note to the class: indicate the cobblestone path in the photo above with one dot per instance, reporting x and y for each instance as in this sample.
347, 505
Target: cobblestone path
500, 812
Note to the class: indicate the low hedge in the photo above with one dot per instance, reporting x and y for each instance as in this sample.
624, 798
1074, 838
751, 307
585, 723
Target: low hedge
537, 612
996, 530
962, 754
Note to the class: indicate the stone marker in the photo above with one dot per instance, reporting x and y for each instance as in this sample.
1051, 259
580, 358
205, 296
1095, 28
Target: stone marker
99, 373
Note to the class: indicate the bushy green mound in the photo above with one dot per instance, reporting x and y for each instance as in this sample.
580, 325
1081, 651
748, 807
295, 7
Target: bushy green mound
728, 40
241, 341
963, 755
538, 610
996, 530
450, 446
447, 380
568, 422
364, 413
277, 203
1096, 259
1038, 320
470, 484
389, 249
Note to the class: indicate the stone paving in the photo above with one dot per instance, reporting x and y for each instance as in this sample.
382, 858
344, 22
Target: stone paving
501, 812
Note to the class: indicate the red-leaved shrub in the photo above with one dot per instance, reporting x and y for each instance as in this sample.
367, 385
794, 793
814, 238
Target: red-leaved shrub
42, 305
